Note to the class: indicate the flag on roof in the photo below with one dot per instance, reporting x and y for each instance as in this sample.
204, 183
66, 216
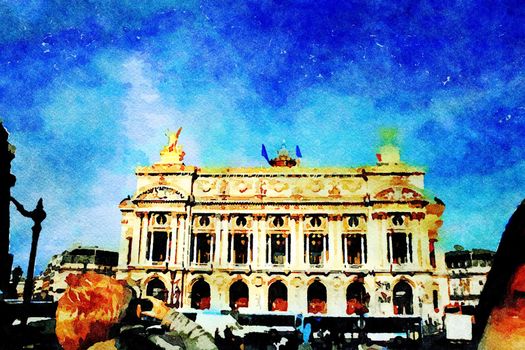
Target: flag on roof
298, 152
264, 153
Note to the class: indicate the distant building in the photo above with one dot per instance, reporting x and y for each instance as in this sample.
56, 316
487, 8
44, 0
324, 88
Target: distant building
285, 238
52, 283
467, 272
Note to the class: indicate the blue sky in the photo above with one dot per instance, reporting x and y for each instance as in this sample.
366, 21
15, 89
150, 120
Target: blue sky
87, 92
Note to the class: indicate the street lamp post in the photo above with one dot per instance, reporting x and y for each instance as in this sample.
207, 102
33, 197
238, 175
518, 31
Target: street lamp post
37, 215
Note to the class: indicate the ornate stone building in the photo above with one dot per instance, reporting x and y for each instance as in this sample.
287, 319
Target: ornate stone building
51, 284
468, 272
284, 238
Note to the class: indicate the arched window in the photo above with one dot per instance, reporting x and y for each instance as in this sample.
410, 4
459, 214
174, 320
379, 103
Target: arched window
278, 221
403, 299
356, 299
204, 221
241, 221
315, 221
277, 297
200, 295
239, 295
317, 298
157, 289
353, 220
161, 219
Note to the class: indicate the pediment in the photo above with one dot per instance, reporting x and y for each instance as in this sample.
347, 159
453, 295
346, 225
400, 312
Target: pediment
161, 193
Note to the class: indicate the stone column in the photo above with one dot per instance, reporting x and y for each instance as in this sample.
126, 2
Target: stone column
135, 243
212, 248
416, 239
217, 251
174, 239
269, 250
286, 250
300, 242
345, 250
262, 240
180, 240
425, 250
362, 239
293, 240
183, 231
255, 240
338, 231
372, 232
248, 248
325, 250
144, 238
124, 245
193, 246
307, 252
224, 239
333, 242
377, 240
407, 238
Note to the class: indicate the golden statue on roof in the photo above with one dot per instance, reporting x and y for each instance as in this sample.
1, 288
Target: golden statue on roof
172, 153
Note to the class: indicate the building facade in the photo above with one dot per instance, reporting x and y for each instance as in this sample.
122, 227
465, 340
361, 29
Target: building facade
284, 238
468, 272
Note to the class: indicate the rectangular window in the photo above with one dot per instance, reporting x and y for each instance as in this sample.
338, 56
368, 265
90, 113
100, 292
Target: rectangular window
160, 241
278, 249
401, 246
354, 249
240, 248
201, 248
316, 248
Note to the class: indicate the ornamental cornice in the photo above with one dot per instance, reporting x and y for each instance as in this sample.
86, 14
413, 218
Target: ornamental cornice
417, 216
379, 216
335, 217
297, 217
181, 170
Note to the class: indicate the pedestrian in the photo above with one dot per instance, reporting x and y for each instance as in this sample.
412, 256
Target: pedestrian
97, 312
500, 315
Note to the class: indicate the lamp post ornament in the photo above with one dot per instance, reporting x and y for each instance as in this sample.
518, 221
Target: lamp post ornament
37, 215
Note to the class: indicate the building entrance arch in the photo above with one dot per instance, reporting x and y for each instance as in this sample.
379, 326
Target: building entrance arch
317, 298
200, 295
239, 295
277, 297
403, 299
356, 298
157, 289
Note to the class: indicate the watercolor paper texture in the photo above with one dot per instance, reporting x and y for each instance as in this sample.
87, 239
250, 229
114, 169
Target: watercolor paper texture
89, 92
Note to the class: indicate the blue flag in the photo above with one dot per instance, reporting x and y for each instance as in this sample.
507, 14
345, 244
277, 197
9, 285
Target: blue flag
298, 152
264, 153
